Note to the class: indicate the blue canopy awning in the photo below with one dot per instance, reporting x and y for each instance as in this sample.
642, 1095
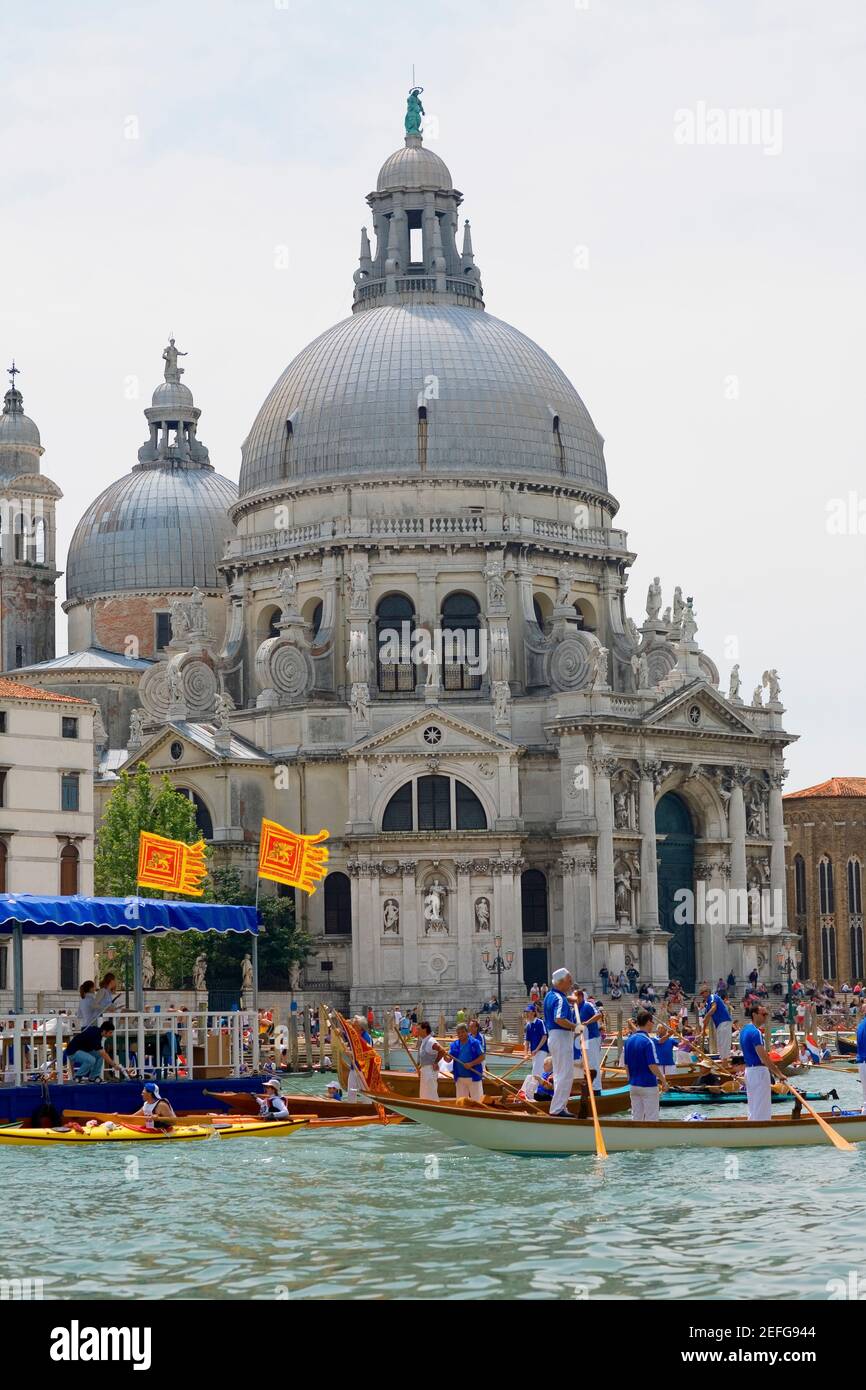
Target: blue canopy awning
77, 916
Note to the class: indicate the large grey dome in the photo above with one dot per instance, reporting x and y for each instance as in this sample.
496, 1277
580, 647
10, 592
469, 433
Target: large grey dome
157, 529
348, 405
413, 166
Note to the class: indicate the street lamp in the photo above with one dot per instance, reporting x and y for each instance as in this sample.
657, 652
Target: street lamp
498, 964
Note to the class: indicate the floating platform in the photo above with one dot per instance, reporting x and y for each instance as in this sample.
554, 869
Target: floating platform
19, 1102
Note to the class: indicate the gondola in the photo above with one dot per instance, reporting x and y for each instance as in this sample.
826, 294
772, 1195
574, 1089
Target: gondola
530, 1134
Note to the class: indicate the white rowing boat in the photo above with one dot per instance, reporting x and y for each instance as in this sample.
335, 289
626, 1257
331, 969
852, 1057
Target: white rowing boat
530, 1133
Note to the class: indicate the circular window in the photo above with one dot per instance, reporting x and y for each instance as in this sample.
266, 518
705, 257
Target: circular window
176, 751
432, 735
694, 714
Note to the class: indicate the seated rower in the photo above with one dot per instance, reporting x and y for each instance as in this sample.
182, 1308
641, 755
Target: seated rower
154, 1107
333, 1091
544, 1088
664, 1041
46, 1116
271, 1104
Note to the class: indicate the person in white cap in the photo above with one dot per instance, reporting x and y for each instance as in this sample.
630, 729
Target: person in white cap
271, 1104
561, 1026
334, 1091
430, 1054
154, 1107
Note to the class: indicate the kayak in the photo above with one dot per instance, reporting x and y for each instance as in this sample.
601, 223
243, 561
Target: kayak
735, 1097
227, 1126
102, 1134
528, 1135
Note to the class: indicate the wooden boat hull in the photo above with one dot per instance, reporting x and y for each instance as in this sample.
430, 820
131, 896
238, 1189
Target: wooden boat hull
846, 1047
530, 1135
227, 1126
296, 1105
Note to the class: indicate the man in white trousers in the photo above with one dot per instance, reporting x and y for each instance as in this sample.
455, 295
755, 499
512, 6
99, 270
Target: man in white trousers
717, 1009
861, 1052
759, 1067
589, 1015
560, 1022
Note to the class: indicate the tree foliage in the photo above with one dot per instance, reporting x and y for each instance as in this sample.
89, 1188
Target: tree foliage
137, 804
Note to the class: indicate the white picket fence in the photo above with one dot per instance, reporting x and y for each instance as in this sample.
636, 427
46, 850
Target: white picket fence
199, 1045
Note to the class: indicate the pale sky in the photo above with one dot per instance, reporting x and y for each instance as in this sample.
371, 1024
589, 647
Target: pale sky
706, 299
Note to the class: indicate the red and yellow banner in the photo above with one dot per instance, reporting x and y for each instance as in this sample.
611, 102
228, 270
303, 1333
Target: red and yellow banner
170, 864
298, 860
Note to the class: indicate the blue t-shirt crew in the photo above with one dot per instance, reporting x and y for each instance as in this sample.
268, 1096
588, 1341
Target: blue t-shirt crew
664, 1051
640, 1054
587, 1011
556, 1005
534, 1032
861, 1041
750, 1039
463, 1054
722, 1014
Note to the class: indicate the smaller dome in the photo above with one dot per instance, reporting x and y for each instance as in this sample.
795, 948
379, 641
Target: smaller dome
414, 167
16, 427
172, 395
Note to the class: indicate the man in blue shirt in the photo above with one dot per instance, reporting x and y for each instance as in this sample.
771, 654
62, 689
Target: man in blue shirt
560, 1023
535, 1039
861, 1052
716, 1008
645, 1076
468, 1055
590, 1016
758, 1065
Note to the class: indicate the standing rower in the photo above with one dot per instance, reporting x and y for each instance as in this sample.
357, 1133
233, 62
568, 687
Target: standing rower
861, 1052
758, 1065
590, 1016
644, 1073
430, 1054
560, 1024
468, 1055
716, 1008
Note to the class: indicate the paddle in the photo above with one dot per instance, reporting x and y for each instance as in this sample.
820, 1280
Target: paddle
600, 1149
406, 1049
832, 1134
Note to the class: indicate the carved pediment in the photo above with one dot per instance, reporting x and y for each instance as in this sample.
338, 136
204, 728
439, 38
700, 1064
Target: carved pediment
432, 733
699, 710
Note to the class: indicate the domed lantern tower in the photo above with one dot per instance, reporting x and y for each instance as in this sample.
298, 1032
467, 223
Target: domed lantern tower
27, 568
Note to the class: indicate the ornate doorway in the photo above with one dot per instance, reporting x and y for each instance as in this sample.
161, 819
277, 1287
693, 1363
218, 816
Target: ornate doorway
676, 856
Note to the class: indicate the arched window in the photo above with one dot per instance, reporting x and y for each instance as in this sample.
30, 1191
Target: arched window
542, 609
39, 540
338, 905
826, 896
434, 803
828, 952
799, 885
20, 539
461, 655
4, 856
395, 623
855, 901
316, 618
274, 623
202, 815
69, 861
533, 902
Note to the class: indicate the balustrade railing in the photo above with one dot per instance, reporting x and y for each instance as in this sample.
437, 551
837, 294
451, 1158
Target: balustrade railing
171, 1044
457, 525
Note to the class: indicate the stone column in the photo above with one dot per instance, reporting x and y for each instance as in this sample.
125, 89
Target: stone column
409, 923
649, 884
374, 912
465, 926
603, 768
778, 883
506, 920
568, 874
737, 833
358, 914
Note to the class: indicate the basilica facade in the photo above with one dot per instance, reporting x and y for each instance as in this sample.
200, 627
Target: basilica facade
408, 625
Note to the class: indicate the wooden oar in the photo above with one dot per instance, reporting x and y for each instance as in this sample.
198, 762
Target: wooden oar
406, 1049
600, 1149
832, 1134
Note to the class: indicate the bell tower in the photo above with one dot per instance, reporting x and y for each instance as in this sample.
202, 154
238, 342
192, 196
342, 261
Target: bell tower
28, 573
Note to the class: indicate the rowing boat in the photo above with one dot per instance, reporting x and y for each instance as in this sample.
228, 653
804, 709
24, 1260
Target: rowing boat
244, 1103
529, 1134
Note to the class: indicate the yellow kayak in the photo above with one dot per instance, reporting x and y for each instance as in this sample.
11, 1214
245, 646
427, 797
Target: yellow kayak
267, 1129
101, 1134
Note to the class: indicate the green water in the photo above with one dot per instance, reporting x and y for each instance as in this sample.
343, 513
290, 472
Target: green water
400, 1212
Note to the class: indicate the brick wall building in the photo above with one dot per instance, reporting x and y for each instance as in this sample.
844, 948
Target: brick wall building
826, 854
